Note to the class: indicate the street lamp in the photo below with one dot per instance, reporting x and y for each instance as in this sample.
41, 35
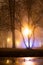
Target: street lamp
27, 32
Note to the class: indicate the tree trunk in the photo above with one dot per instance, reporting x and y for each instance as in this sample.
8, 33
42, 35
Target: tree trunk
11, 7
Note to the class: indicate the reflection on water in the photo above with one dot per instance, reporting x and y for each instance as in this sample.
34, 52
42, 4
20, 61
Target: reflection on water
29, 61
21, 61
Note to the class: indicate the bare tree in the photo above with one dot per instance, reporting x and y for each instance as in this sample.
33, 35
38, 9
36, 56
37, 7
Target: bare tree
37, 16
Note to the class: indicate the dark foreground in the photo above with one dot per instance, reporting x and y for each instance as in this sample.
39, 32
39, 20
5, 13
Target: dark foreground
11, 56
11, 52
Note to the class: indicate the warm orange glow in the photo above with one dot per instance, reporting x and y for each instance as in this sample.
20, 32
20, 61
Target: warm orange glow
8, 61
28, 63
27, 31
17, 43
8, 40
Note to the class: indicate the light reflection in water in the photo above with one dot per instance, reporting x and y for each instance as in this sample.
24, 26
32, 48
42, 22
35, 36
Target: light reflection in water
26, 61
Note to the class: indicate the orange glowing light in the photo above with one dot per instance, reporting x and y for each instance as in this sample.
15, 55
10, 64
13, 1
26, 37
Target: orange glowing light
8, 39
8, 61
17, 43
27, 31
